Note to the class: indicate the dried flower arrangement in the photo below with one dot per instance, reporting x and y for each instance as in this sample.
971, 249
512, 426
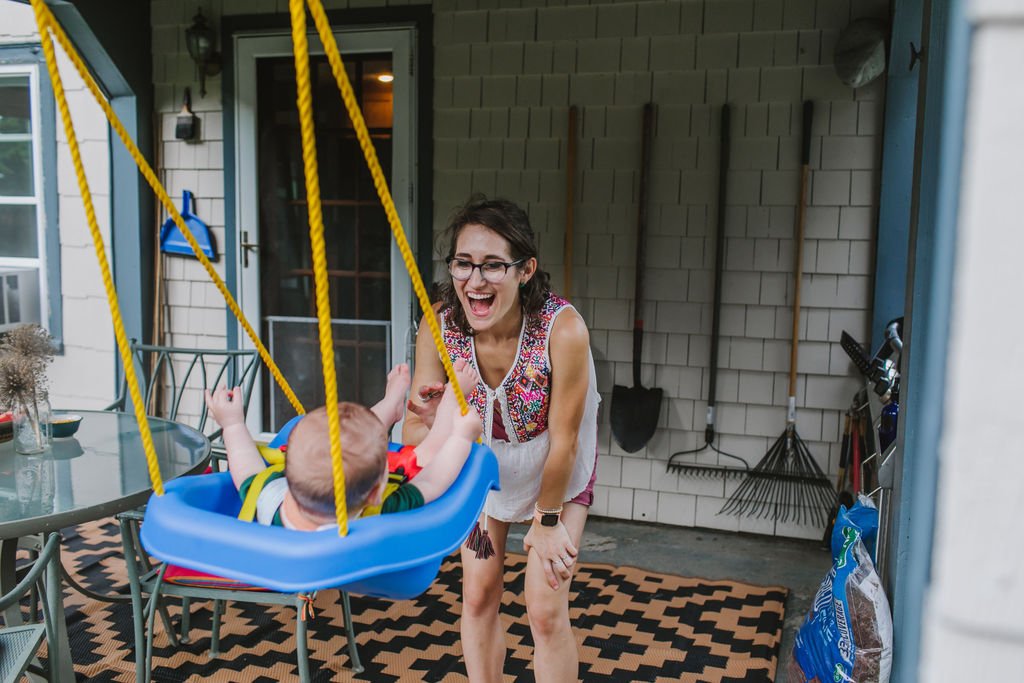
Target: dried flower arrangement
25, 353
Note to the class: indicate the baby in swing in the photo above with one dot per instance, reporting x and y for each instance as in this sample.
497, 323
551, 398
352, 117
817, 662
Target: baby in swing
302, 497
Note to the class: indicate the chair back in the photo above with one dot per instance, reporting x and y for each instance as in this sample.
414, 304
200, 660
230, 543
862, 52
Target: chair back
173, 379
36, 575
19, 643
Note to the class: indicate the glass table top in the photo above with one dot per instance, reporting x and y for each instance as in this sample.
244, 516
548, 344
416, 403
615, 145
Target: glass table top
99, 471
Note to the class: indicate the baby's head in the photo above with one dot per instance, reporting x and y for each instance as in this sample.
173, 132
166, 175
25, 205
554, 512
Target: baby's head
364, 445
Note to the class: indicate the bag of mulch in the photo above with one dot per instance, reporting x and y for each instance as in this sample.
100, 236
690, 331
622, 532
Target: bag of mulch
847, 635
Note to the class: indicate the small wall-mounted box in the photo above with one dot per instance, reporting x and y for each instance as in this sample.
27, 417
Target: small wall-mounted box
19, 297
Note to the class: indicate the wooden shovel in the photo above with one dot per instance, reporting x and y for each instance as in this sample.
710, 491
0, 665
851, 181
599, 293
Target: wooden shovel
635, 410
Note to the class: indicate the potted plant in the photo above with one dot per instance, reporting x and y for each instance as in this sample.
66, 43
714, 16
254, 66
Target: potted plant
24, 354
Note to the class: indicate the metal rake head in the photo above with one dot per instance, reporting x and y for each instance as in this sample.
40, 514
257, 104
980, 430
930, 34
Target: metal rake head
785, 485
706, 471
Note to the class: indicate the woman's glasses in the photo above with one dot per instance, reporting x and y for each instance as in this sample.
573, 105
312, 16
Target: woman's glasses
491, 271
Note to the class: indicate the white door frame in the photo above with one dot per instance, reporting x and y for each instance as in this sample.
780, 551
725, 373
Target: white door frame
249, 47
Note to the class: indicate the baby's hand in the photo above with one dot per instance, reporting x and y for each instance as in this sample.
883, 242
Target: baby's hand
226, 406
467, 426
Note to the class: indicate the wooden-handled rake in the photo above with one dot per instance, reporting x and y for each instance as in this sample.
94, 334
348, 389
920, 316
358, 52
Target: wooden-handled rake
787, 483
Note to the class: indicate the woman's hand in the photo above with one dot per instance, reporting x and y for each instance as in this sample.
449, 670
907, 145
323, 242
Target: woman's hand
555, 550
428, 396
428, 378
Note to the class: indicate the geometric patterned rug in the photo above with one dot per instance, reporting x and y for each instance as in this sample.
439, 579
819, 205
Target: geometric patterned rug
630, 625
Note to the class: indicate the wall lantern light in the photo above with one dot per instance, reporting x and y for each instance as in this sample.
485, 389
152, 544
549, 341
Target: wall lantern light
201, 41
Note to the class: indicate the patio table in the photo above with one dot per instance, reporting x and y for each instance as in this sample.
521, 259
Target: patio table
96, 473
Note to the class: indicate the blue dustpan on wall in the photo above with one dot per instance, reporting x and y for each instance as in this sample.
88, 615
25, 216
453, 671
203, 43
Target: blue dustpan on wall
173, 242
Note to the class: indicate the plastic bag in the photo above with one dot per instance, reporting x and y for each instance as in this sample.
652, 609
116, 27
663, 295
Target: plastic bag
847, 635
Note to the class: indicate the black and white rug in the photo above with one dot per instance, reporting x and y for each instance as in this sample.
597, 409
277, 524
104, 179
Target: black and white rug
631, 625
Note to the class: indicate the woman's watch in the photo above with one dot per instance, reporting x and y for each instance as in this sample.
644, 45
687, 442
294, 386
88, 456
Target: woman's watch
548, 517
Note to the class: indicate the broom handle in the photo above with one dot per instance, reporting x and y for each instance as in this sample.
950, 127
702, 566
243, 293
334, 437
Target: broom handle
570, 186
723, 172
798, 266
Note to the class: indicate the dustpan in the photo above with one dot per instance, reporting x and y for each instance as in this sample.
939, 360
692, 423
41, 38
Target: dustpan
173, 242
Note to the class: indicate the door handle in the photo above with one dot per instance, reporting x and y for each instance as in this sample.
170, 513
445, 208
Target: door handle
247, 246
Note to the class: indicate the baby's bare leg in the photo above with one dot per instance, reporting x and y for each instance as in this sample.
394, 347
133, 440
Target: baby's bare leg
391, 408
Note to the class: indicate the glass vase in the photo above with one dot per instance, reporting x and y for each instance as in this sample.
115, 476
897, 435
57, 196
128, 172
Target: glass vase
34, 484
32, 427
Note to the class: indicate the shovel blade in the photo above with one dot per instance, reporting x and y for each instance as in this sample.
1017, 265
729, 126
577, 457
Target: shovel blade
634, 416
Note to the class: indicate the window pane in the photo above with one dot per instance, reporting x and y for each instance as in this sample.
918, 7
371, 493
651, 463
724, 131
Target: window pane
360, 361
374, 240
15, 116
340, 229
378, 95
374, 299
18, 231
343, 298
15, 168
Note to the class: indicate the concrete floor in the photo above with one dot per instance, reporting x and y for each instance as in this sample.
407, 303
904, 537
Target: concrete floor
798, 565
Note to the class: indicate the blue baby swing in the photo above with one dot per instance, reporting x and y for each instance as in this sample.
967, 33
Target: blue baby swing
192, 522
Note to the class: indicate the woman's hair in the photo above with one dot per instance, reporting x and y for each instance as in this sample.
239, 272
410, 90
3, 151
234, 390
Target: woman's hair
308, 467
512, 224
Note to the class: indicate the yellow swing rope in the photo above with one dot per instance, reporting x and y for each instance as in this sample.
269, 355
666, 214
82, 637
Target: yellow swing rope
44, 20
381, 184
304, 101
316, 228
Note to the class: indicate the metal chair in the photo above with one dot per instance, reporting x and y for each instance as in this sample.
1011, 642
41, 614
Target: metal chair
153, 583
173, 380
174, 377
19, 644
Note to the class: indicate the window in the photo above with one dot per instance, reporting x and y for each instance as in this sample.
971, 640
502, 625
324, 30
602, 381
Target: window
29, 242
